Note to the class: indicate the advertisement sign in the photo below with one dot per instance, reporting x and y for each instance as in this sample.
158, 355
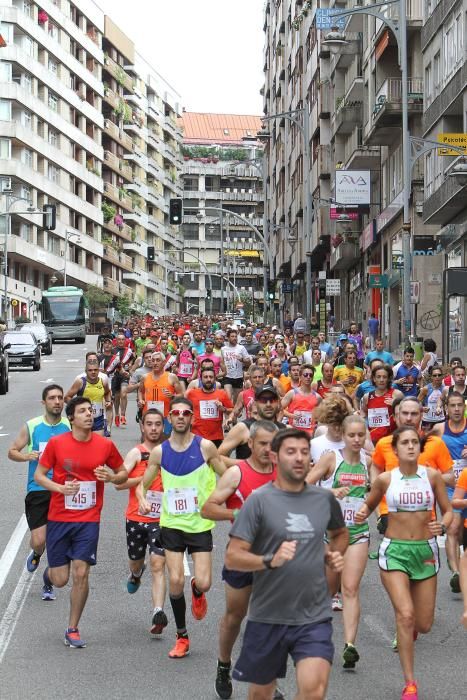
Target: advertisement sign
414, 292
333, 288
459, 140
325, 20
377, 281
368, 235
353, 187
335, 212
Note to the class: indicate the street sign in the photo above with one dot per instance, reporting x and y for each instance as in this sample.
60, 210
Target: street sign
415, 292
377, 281
287, 287
325, 20
333, 288
459, 140
397, 261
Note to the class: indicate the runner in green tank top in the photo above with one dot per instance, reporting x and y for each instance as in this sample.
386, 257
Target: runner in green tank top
349, 483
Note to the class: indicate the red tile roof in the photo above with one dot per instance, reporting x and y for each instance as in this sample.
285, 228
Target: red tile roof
206, 128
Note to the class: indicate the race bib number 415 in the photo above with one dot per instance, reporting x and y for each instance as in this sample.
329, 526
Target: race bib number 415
84, 499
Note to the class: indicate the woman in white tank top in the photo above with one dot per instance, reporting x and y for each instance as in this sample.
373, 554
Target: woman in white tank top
408, 554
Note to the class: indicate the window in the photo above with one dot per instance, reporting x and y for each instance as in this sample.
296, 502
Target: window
5, 149
395, 174
453, 41
7, 32
436, 72
52, 30
5, 72
27, 8
26, 192
26, 157
28, 46
26, 82
53, 137
26, 119
428, 83
5, 110
53, 66
25, 232
53, 173
53, 102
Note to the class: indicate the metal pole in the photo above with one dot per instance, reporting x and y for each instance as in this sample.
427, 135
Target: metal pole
205, 268
307, 212
407, 177
66, 253
5, 258
221, 226
266, 271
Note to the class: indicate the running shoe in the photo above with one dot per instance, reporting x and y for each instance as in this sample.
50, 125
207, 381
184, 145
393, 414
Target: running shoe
278, 695
134, 582
117, 421
410, 691
223, 685
32, 562
199, 604
72, 639
122, 422
394, 645
350, 656
337, 603
48, 593
454, 582
159, 621
181, 648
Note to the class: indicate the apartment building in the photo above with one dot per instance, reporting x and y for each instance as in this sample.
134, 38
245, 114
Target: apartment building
88, 125
443, 46
222, 170
352, 91
50, 134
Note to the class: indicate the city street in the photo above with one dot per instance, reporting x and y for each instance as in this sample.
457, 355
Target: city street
121, 660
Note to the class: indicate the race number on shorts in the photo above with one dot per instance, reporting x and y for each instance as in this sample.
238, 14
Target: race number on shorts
182, 501
84, 499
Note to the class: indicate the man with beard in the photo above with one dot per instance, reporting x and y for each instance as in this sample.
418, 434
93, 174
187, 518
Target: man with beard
209, 405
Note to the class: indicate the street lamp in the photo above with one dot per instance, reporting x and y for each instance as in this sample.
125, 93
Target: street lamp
204, 266
68, 235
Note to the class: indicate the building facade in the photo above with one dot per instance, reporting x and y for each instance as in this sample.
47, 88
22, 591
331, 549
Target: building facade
77, 107
222, 173
352, 90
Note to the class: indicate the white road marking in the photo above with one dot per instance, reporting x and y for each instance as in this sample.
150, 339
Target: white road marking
12, 613
4, 434
48, 361
186, 567
72, 360
46, 381
11, 550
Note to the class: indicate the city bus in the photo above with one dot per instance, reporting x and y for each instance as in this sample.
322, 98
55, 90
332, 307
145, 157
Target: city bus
65, 313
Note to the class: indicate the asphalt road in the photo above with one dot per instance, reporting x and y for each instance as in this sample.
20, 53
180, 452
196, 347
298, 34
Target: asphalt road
121, 659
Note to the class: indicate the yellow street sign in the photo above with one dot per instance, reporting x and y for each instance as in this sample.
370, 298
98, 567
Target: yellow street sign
459, 140
243, 253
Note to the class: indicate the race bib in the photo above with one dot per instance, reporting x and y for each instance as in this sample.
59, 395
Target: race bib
182, 501
459, 466
378, 417
97, 410
158, 405
349, 506
186, 368
154, 499
208, 409
84, 499
303, 420
412, 496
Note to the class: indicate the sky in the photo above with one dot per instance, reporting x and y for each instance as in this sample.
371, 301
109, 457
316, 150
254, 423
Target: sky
210, 51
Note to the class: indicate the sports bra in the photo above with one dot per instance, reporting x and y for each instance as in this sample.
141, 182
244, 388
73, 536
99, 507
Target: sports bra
410, 494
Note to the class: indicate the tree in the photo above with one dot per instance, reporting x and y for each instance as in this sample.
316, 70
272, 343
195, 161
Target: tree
97, 298
123, 306
247, 301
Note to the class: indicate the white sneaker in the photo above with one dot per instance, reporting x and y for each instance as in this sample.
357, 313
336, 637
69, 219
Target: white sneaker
337, 603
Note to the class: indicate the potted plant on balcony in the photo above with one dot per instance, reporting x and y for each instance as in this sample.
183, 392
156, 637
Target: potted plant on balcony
108, 211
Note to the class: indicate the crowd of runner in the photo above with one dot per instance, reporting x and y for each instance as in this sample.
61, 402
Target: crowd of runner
293, 439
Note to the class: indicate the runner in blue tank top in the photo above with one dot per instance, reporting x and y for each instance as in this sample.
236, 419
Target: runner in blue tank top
35, 434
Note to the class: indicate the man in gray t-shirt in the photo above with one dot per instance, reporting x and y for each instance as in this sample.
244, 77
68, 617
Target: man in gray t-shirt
279, 536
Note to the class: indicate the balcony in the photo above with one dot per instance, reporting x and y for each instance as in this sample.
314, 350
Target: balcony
360, 157
125, 289
117, 134
345, 117
111, 286
118, 196
387, 112
118, 73
125, 261
111, 97
118, 165
110, 254
344, 256
447, 201
125, 231
324, 164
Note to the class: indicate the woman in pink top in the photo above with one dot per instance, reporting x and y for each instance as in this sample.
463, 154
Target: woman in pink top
217, 361
186, 363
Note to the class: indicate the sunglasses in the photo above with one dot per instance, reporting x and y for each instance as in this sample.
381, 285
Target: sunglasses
185, 412
307, 374
436, 375
267, 399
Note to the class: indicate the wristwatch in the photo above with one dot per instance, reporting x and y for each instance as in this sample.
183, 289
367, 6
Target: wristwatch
267, 560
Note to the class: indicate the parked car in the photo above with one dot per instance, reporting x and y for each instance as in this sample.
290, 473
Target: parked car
41, 333
3, 367
22, 348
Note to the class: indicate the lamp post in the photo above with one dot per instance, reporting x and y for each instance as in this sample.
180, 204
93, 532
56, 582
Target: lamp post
204, 266
304, 126
10, 200
68, 235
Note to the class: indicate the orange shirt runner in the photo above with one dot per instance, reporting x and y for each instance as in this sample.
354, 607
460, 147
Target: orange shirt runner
208, 417
132, 511
435, 455
302, 406
158, 393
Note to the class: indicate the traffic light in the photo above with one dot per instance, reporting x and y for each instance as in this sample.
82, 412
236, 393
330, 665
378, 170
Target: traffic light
151, 253
176, 211
208, 294
271, 290
49, 217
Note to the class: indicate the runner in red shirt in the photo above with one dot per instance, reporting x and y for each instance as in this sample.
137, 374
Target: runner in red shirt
322, 386
246, 398
143, 531
377, 404
298, 404
209, 406
233, 488
82, 462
